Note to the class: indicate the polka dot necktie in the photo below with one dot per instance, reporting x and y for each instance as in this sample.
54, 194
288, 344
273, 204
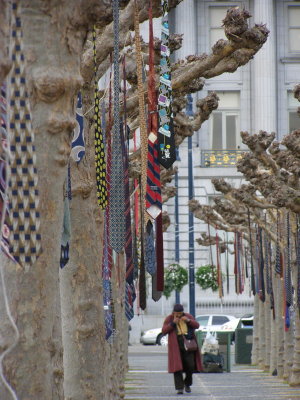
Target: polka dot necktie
99, 144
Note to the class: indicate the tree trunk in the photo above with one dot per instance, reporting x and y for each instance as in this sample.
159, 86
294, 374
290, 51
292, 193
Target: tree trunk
267, 333
288, 353
81, 299
295, 374
262, 337
54, 78
274, 336
280, 330
256, 329
5, 62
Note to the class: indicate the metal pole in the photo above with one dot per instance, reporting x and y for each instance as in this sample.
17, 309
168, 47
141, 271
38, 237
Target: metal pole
191, 230
177, 257
189, 111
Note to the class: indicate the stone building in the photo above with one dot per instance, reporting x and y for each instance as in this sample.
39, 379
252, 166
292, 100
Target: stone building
256, 97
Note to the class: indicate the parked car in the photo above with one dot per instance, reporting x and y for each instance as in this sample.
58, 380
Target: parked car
245, 321
214, 322
207, 322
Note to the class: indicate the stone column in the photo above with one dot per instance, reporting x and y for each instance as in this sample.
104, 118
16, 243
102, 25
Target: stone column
185, 22
264, 72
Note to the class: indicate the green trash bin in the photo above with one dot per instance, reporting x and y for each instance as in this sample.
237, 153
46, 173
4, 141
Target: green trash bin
243, 345
224, 339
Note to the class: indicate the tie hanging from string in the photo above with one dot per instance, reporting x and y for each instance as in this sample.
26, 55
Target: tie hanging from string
24, 216
99, 143
166, 137
253, 287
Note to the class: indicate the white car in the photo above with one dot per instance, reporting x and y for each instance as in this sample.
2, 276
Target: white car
244, 322
154, 336
212, 322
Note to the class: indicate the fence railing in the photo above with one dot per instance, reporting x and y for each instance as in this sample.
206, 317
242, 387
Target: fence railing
220, 158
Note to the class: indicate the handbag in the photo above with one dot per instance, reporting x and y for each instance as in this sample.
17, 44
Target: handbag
190, 344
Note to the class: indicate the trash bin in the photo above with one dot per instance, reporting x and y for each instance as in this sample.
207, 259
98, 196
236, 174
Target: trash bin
224, 339
243, 345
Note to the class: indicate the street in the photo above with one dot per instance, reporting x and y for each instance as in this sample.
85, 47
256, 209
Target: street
148, 379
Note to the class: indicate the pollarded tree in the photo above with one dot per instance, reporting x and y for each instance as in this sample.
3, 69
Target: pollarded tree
54, 78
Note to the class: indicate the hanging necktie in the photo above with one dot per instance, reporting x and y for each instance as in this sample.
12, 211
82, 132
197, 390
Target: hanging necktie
4, 160
227, 263
166, 139
99, 143
117, 223
219, 271
153, 193
287, 270
78, 144
159, 254
262, 294
278, 260
24, 217
253, 288
129, 286
66, 230
142, 278
150, 254
107, 262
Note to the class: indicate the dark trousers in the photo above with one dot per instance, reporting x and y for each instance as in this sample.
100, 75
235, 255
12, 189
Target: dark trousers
188, 365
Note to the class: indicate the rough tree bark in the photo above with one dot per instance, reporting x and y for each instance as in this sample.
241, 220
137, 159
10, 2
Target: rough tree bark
54, 79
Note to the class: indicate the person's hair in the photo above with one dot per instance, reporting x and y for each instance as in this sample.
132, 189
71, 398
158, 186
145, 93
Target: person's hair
178, 308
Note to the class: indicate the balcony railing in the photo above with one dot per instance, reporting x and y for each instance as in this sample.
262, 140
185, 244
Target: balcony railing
220, 158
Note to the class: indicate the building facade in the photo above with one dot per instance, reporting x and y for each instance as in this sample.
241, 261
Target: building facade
258, 96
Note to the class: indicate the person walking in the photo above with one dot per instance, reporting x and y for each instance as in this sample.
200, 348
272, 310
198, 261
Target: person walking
179, 325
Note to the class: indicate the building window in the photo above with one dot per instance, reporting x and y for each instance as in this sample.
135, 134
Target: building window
294, 28
216, 15
294, 119
224, 123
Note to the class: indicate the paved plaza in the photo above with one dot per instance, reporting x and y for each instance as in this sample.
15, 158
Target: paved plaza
148, 379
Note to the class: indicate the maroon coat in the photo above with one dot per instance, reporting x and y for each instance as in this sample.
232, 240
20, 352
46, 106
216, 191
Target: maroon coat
174, 358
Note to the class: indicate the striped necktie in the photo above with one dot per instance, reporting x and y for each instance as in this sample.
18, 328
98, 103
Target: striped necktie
153, 191
24, 217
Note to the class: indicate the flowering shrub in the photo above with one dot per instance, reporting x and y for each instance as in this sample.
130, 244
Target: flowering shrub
206, 277
176, 277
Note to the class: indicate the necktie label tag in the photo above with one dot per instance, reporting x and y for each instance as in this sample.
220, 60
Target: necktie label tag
152, 137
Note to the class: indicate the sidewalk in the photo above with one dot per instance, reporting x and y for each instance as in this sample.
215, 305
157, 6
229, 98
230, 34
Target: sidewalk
148, 379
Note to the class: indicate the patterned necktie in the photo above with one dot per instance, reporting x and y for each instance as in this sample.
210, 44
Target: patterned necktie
150, 254
78, 144
142, 118
99, 143
159, 254
117, 223
287, 270
4, 159
107, 262
129, 287
24, 218
167, 152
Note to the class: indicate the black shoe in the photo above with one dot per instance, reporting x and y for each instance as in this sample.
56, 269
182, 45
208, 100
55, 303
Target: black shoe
180, 391
188, 389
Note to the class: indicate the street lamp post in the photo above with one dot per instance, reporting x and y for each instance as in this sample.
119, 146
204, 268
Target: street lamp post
189, 112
